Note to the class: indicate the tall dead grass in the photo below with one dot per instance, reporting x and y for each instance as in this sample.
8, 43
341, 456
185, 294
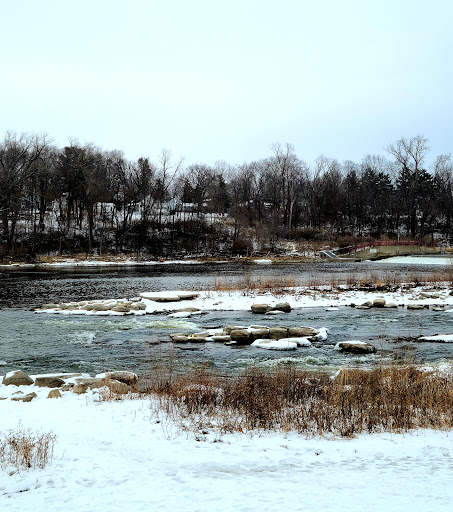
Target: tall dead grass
385, 399
249, 285
23, 449
372, 281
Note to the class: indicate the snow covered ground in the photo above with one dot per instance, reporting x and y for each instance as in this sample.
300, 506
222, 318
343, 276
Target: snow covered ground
116, 456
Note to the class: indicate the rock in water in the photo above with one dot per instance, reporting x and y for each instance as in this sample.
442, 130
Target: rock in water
355, 347
260, 308
276, 333
282, 306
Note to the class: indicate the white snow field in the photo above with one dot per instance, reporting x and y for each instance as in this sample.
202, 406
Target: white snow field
118, 456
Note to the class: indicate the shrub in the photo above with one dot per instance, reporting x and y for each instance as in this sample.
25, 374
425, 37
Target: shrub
383, 399
24, 449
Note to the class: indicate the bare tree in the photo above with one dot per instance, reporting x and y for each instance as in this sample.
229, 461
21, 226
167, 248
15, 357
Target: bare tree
18, 154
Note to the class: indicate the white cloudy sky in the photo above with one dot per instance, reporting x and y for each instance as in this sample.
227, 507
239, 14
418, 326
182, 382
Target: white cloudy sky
223, 79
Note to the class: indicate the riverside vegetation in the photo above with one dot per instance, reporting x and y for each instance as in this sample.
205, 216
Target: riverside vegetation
384, 399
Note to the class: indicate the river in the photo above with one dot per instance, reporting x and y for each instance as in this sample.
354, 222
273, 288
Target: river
54, 343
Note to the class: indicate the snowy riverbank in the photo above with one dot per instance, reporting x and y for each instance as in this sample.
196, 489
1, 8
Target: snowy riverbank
119, 456
236, 300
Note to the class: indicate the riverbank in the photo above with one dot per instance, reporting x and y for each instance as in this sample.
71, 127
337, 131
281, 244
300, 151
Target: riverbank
131, 454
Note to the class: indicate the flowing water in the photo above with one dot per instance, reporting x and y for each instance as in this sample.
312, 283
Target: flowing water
48, 343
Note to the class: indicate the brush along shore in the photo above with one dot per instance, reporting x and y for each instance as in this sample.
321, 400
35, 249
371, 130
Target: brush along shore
382, 399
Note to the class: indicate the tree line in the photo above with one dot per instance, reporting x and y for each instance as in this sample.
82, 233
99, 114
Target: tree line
80, 198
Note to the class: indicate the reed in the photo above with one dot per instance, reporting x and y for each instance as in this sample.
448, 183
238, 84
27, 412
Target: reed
23, 449
384, 399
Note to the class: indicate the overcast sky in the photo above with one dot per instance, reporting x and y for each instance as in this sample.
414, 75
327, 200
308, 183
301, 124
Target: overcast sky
215, 80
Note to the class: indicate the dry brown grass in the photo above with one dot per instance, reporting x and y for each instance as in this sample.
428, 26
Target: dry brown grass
387, 281
23, 449
249, 285
385, 399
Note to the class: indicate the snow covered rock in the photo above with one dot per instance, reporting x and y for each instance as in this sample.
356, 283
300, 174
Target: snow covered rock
355, 347
24, 398
321, 334
300, 342
281, 344
17, 378
54, 393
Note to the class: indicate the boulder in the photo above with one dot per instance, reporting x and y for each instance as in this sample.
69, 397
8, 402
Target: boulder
125, 377
24, 398
54, 393
260, 308
300, 332
390, 305
91, 382
17, 378
49, 382
67, 387
276, 333
101, 307
282, 306
197, 338
180, 338
379, 302
415, 306
188, 310
49, 306
79, 389
241, 336
228, 328
355, 347
221, 338
121, 309
178, 334
259, 333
